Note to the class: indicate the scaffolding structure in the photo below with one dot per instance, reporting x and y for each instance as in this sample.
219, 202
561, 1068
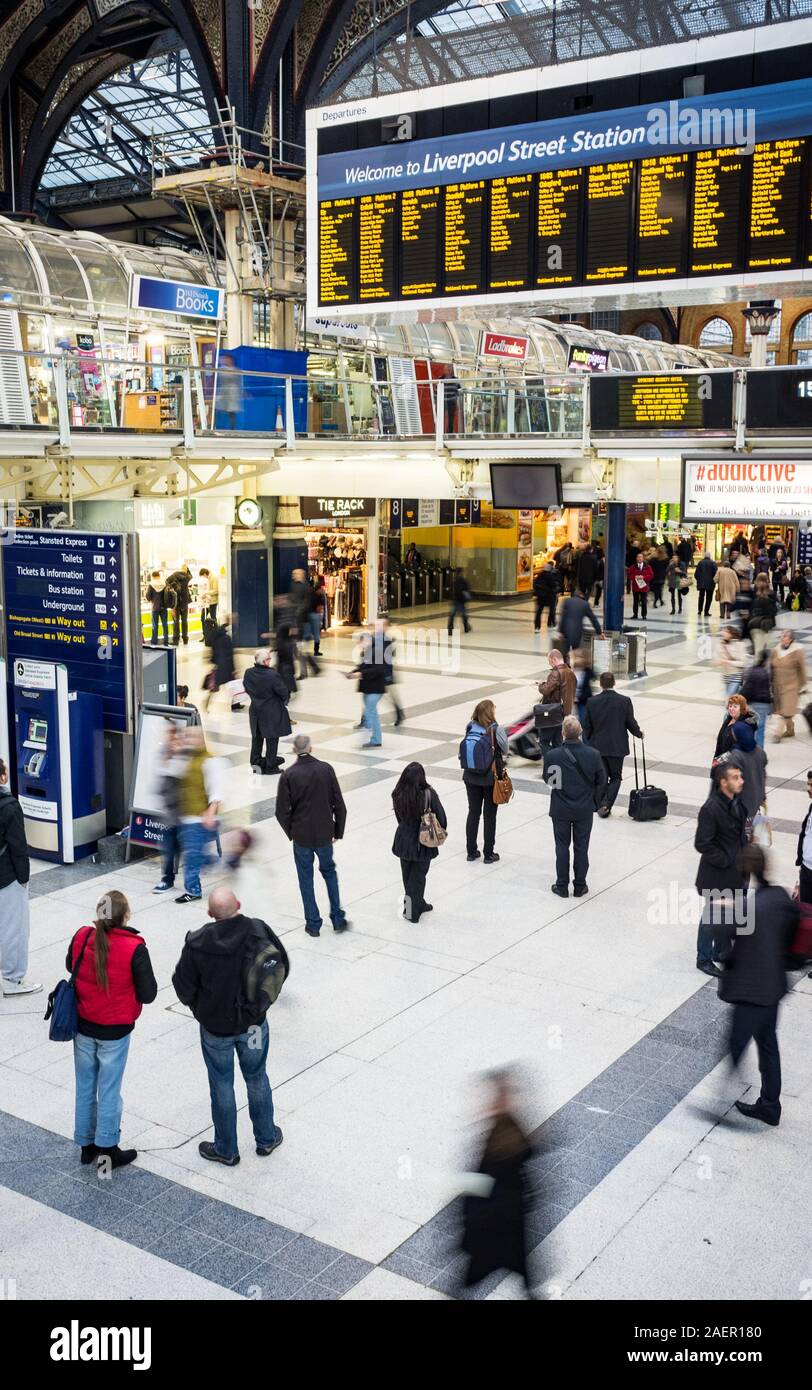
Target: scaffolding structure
255, 203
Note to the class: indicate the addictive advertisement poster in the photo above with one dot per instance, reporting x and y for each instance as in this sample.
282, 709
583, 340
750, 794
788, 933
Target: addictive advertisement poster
728, 487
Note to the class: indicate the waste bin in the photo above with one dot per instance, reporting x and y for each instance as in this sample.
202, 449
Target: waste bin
610, 653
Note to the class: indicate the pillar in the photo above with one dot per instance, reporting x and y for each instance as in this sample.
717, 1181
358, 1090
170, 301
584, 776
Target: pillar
615, 568
289, 549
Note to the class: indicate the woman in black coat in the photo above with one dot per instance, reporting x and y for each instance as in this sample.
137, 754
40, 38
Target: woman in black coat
268, 716
411, 798
754, 979
494, 1226
737, 708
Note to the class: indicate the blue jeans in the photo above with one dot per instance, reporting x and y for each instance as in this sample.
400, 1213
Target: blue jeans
99, 1066
763, 710
580, 714
304, 856
313, 628
371, 720
252, 1054
194, 838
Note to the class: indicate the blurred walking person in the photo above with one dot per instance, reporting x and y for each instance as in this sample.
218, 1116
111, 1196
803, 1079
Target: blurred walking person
371, 673
546, 588
494, 1226
788, 675
754, 980
15, 871
460, 598
199, 797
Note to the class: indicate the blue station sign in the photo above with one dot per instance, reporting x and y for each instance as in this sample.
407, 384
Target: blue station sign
64, 601
177, 297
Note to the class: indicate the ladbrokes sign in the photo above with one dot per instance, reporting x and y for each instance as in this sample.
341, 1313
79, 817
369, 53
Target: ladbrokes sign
746, 487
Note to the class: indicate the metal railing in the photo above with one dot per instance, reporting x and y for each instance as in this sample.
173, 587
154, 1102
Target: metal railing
74, 394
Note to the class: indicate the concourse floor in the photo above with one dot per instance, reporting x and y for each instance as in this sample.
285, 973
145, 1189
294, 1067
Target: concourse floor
647, 1182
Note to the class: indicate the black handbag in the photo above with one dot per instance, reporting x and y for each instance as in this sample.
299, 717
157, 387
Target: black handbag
646, 802
549, 716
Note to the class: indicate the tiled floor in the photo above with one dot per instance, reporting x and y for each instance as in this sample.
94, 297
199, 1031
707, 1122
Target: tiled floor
380, 1034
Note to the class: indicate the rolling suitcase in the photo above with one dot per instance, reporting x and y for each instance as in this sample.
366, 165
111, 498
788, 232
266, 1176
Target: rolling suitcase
646, 802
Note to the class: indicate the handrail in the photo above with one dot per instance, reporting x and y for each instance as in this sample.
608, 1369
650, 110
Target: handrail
70, 390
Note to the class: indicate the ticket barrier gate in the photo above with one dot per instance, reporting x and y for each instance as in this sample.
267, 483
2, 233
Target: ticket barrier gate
59, 760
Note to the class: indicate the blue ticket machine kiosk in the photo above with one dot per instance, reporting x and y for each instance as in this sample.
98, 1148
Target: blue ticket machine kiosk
59, 747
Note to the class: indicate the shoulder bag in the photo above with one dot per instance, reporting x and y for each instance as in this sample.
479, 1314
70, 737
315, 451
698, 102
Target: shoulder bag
62, 1009
431, 834
502, 785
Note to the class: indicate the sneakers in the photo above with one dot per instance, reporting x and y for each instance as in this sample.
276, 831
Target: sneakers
264, 1149
11, 987
119, 1158
163, 887
208, 1151
189, 898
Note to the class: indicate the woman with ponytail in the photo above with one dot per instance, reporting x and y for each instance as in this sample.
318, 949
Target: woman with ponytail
114, 980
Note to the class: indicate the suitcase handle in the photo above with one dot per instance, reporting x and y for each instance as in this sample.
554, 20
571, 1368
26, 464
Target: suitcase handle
645, 774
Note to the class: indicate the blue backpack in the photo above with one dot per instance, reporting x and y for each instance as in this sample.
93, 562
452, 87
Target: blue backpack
476, 749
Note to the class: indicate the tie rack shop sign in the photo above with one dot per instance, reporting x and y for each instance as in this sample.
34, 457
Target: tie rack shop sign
743, 487
336, 508
506, 346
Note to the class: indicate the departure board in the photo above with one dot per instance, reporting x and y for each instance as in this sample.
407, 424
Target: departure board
668, 401
558, 218
464, 223
671, 217
376, 246
775, 205
662, 217
419, 241
608, 214
337, 254
510, 222
716, 217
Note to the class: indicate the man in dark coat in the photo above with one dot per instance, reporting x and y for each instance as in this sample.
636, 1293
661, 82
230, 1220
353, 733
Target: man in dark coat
720, 838
311, 811
609, 721
268, 716
574, 613
575, 773
178, 584
546, 588
754, 980
705, 576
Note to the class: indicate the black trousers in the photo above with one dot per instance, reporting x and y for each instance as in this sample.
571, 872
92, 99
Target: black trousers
678, 595
614, 773
160, 617
705, 596
639, 601
480, 803
551, 738
657, 590
179, 621
579, 832
805, 884
540, 607
271, 758
757, 1022
415, 872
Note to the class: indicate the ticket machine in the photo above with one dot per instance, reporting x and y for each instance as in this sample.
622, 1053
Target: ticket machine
59, 743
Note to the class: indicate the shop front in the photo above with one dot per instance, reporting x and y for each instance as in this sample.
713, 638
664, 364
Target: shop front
173, 533
342, 546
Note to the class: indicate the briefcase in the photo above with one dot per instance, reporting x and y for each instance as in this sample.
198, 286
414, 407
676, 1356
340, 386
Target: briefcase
646, 802
549, 716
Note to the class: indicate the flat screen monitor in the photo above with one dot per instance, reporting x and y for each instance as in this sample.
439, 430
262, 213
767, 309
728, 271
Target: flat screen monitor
37, 731
535, 486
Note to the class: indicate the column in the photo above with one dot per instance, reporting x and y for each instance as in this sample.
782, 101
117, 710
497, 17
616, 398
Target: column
615, 569
289, 549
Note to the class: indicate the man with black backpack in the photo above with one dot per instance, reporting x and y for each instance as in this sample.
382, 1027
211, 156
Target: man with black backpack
230, 972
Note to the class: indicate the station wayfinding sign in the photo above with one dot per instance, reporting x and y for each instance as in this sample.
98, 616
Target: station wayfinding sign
65, 601
727, 487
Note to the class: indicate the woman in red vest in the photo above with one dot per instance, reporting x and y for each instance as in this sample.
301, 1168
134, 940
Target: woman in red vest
113, 982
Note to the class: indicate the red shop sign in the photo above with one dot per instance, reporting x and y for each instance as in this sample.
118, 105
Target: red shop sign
504, 345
